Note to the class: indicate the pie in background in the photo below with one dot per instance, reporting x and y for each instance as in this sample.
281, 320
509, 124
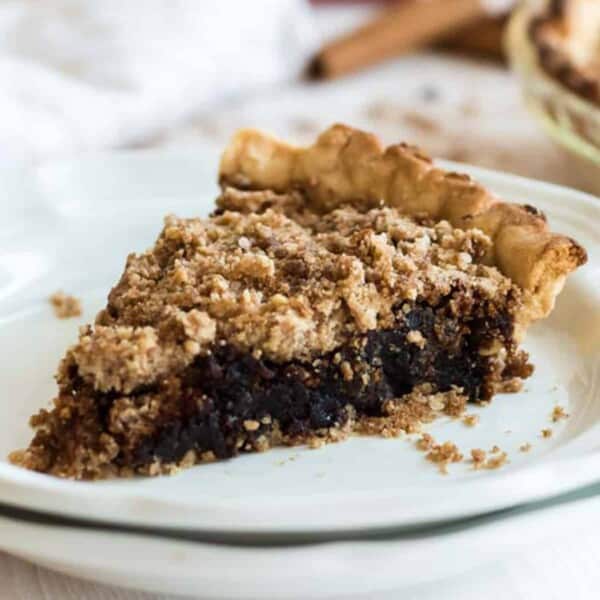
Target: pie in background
566, 36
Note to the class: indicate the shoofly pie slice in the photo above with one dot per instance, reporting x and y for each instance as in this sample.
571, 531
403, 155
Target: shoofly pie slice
336, 288
566, 35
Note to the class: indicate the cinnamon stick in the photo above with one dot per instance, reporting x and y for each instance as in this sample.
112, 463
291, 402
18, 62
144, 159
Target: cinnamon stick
483, 38
410, 24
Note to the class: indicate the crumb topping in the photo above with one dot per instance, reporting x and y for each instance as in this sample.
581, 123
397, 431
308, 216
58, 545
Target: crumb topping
269, 277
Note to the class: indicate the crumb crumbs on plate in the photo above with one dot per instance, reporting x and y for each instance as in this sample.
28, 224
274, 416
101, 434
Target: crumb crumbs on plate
471, 420
65, 306
425, 442
444, 454
480, 459
495, 449
546, 433
559, 413
525, 447
496, 461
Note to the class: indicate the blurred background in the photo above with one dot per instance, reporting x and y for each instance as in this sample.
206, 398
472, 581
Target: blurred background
87, 75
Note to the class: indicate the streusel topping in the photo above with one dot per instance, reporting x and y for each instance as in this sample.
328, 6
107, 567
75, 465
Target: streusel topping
279, 281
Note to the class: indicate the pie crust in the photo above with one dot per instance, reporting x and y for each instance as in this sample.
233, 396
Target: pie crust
346, 165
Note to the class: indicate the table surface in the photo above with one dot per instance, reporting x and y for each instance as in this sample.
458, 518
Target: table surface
453, 108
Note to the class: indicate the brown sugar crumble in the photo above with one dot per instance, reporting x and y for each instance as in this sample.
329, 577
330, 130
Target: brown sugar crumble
478, 457
547, 433
425, 442
470, 420
559, 413
496, 461
65, 306
525, 447
444, 454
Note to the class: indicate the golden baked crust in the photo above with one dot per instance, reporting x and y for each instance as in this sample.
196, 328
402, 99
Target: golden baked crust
566, 36
348, 166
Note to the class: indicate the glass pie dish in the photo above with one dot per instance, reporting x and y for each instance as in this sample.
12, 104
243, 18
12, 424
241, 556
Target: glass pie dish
571, 121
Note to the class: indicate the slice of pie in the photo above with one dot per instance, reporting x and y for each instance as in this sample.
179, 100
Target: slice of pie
566, 35
334, 287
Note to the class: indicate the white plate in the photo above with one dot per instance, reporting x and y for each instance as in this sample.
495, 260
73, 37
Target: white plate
329, 570
70, 225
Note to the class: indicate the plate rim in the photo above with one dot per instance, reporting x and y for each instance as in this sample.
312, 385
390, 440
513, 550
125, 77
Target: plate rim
252, 564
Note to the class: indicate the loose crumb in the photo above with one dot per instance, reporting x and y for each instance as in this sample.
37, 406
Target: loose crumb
478, 457
559, 413
471, 420
65, 306
443, 455
495, 449
496, 461
546, 433
525, 447
425, 442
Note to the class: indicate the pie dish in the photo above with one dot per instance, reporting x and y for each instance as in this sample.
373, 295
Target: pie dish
555, 51
566, 36
337, 287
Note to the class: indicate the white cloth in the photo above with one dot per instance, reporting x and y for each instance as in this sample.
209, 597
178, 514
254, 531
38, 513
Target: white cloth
86, 74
